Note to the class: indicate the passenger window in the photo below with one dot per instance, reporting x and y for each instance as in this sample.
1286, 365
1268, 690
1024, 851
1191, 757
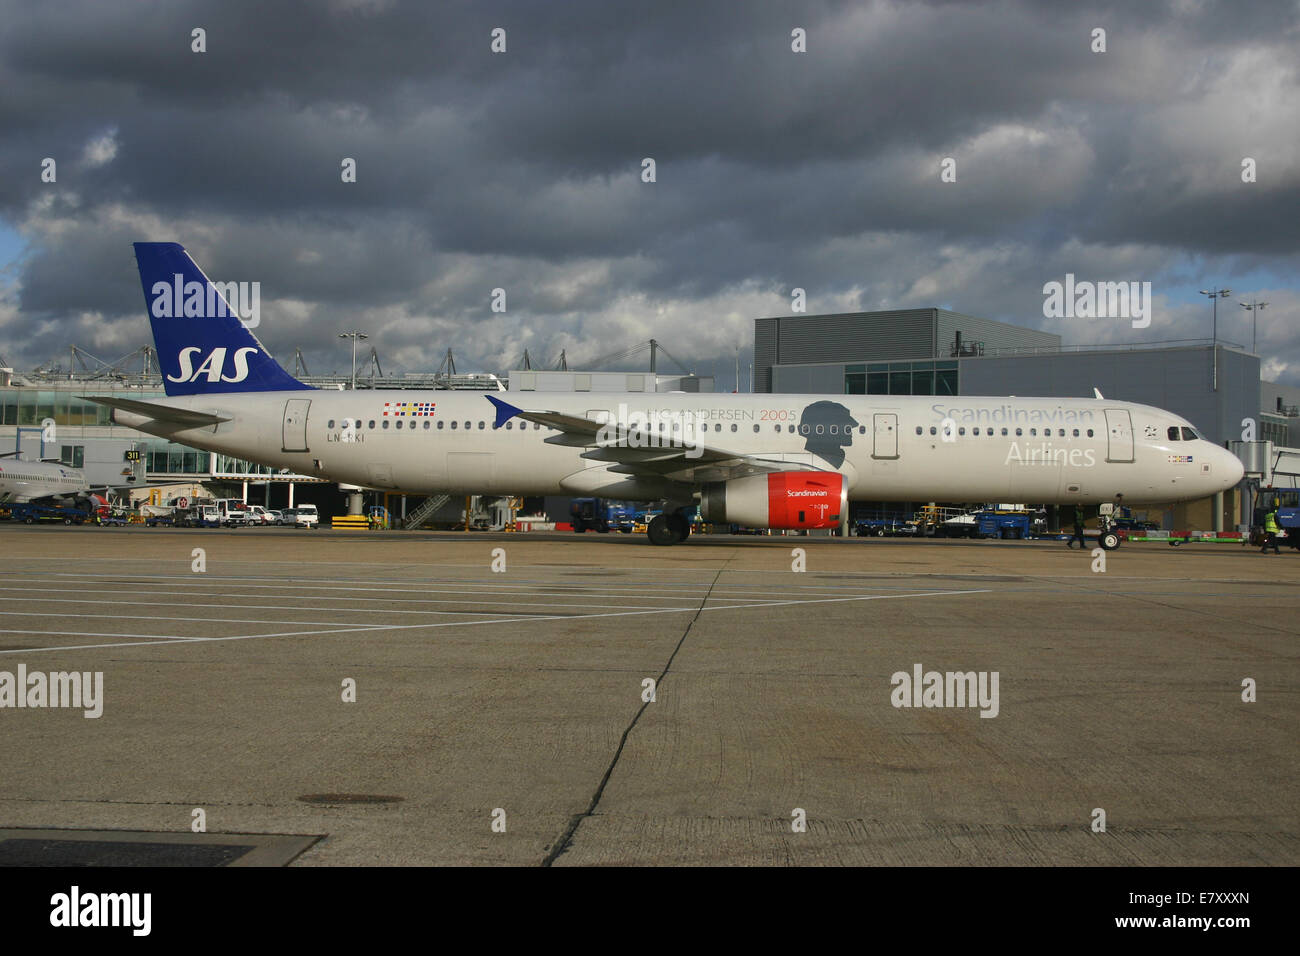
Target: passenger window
372, 423
733, 427
862, 429
1033, 432
975, 430
961, 430
755, 429
481, 425
440, 423
509, 425
1089, 432
803, 429
718, 427
789, 428
1019, 432
426, 424
933, 430
1189, 435
1004, 431
918, 429
1172, 433
399, 423
385, 423
330, 423
1076, 433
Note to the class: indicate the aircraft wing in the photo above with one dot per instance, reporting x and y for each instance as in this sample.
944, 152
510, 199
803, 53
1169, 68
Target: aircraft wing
635, 452
179, 418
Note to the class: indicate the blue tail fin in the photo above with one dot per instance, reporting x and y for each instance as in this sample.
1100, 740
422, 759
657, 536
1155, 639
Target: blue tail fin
202, 344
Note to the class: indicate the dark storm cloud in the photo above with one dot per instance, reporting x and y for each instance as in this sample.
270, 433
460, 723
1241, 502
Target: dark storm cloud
522, 170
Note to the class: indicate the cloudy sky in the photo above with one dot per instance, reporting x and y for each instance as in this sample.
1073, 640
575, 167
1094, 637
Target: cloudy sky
522, 170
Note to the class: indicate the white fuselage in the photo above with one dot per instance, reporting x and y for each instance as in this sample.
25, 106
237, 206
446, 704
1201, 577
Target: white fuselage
919, 448
31, 480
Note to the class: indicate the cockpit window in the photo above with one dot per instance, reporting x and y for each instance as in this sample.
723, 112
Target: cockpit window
1173, 433
1189, 435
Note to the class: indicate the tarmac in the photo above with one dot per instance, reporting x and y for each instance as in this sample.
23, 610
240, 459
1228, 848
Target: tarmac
503, 716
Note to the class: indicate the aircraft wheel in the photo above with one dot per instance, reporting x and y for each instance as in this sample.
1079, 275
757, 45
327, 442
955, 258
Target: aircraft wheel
679, 526
1109, 541
29, 520
660, 532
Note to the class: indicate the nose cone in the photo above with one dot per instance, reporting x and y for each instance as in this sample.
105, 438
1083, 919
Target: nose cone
1228, 469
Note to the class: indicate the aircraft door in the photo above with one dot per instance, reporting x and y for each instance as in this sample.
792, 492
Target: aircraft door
884, 435
1119, 435
294, 436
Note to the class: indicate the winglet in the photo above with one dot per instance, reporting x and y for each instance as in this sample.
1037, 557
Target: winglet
1097, 392
505, 411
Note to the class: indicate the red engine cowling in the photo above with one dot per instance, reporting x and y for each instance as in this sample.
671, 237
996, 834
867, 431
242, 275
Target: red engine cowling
783, 499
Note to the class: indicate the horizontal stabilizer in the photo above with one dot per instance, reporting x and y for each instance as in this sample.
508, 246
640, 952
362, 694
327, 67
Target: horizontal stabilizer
181, 417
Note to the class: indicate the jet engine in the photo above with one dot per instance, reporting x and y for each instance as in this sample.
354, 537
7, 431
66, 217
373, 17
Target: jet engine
782, 499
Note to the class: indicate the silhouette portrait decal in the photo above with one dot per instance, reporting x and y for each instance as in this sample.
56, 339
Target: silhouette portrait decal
827, 428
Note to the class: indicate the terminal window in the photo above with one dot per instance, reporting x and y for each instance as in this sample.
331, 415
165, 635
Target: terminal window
901, 378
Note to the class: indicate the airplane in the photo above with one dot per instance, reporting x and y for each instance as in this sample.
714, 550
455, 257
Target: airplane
46, 482
22, 480
758, 460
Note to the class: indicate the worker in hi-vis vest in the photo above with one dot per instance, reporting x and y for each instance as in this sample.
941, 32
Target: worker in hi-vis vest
1270, 531
1078, 529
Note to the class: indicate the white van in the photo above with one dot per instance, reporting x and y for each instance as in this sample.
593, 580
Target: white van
305, 516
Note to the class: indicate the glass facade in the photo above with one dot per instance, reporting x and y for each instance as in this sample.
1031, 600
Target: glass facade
28, 407
901, 378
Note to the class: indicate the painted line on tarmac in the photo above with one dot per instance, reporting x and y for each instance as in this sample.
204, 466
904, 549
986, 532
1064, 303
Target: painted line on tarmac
198, 620
510, 620
385, 602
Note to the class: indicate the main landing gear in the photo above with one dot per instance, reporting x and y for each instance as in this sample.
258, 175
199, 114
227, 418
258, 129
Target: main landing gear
668, 528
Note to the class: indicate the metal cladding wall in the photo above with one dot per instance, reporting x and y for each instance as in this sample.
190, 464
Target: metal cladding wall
841, 337
809, 379
1178, 380
994, 335
852, 337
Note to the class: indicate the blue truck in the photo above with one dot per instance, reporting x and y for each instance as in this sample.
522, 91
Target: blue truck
600, 515
33, 513
996, 524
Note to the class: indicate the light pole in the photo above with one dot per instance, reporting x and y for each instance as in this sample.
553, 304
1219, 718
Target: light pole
1254, 309
354, 334
1215, 295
